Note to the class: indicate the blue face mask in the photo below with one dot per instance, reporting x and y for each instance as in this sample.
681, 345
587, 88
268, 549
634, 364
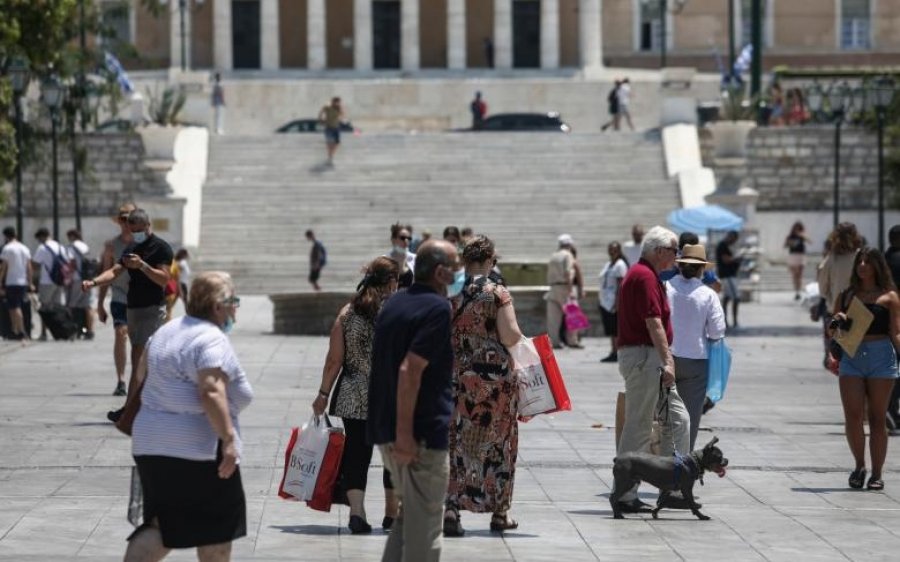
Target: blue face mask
139, 237
459, 280
229, 324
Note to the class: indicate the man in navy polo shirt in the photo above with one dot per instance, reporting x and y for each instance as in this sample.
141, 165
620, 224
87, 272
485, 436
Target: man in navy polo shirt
411, 399
645, 334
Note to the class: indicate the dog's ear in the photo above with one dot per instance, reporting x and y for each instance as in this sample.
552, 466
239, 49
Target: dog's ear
711, 443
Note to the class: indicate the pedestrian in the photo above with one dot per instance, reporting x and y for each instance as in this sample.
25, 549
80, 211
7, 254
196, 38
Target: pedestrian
610, 282
415, 241
148, 260
16, 276
892, 256
350, 356
50, 293
561, 281
632, 248
478, 109
465, 236
484, 433
488, 46
332, 116
795, 243
183, 258
697, 317
834, 272
411, 400
867, 379
645, 359
612, 104
577, 294
118, 302
78, 301
218, 103
623, 96
318, 258
452, 235
727, 267
708, 276
406, 260
186, 440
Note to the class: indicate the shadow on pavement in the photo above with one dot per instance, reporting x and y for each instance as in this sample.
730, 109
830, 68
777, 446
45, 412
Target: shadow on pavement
824, 490
777, 331
320, 530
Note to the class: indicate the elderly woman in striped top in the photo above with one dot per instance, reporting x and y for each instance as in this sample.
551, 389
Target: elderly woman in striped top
186, 437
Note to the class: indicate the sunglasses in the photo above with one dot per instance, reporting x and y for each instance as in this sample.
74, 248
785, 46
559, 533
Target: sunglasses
123, 218
233, 301
404, 238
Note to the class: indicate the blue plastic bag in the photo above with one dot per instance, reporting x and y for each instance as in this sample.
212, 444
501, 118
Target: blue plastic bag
719, 366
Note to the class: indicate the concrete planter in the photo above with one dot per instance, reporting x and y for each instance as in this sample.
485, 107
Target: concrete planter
730, 138
159, 142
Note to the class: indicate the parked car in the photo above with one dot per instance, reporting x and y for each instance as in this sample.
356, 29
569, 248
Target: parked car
115, 126
310, 126
550, 121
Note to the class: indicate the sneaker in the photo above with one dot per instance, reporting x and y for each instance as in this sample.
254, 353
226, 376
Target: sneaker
88, 335
120, 389
611, 358
114, 415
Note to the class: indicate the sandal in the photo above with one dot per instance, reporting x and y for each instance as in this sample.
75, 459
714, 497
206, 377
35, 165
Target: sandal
875, 484
500, 523
857, 477
452, 525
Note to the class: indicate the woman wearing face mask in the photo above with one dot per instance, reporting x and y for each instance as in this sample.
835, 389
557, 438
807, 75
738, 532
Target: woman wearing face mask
350, 354
484, 433
186, 439
400, 239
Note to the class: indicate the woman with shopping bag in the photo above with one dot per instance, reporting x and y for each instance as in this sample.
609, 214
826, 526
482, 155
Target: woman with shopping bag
484, 433
186, 439
349, 355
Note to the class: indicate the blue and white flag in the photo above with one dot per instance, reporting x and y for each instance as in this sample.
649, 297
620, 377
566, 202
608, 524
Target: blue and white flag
115, 67
742, 63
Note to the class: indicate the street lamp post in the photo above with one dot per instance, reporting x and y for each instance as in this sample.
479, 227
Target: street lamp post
18, 71
73, 106
52, 92
183, 6
839, 100
882, 96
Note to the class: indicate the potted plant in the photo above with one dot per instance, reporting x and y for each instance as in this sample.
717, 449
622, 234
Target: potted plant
160, 134
738, 118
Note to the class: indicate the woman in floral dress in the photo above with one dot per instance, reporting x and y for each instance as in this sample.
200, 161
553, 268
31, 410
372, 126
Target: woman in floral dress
484, 434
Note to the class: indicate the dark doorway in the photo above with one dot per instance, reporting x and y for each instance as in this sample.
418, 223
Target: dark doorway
527, 34
245, 33
386, 34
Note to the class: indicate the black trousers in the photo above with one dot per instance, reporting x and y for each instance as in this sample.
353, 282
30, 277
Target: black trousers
354, 472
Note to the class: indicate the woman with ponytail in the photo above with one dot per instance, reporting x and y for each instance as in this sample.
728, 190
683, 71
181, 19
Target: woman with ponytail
349, 355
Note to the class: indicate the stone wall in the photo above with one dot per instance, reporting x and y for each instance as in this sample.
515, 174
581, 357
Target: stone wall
792, 168
115, 173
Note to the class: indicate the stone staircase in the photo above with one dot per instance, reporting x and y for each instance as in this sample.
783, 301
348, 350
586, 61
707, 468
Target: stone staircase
521, 189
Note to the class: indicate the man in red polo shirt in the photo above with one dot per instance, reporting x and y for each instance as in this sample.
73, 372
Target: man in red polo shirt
645, 333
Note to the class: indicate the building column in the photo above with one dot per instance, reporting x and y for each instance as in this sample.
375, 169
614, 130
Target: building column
222, 41
590, 33
456, 34
409, 34
270, 40
316, 56
549, 33
175, 35
503, 54
362, 34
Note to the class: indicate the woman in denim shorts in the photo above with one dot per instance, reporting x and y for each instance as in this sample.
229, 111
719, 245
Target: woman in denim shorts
868, 376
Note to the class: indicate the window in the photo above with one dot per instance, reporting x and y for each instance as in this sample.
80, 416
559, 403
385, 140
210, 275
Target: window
116, 22
650, 30
746, 23
856, 17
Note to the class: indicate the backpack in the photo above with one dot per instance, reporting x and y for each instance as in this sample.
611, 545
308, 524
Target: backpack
90, 267
61, 270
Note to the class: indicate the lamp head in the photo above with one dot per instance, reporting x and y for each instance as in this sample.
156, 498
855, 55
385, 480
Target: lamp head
52, 92
19, 75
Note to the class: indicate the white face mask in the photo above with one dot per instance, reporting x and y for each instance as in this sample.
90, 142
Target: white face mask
459, 281
139, 237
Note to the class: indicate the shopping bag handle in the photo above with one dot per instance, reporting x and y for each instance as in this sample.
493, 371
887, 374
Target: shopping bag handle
327, 420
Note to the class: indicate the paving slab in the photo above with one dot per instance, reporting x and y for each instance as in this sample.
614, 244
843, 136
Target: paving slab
65, 472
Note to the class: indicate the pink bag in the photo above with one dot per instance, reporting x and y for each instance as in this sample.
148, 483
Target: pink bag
576, 319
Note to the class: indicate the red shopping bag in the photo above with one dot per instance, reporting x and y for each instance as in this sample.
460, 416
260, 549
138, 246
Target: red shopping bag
311, 463
551, 370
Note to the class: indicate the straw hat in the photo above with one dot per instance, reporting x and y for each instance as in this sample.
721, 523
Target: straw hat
693, 253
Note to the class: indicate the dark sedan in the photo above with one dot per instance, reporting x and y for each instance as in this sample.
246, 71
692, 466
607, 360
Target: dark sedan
310, 126
550, 121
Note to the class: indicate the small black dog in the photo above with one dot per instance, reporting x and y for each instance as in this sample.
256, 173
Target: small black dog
667, 474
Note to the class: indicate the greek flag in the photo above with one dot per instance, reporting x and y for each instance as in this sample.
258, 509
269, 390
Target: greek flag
115, 67
742, 63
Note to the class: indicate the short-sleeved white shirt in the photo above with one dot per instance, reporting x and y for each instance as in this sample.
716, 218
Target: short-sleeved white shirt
697, 316
16, 257
78, 250
171, 421
44, 256
610, 277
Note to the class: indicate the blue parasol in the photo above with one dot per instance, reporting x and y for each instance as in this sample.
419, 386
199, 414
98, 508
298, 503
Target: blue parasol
703, 218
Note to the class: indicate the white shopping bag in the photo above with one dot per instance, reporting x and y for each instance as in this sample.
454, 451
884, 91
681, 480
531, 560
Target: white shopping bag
535, 394
304, 459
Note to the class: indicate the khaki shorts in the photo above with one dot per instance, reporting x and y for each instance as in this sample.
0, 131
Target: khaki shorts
143, 322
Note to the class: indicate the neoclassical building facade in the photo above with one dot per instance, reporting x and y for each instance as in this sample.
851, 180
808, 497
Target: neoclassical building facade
412, 35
